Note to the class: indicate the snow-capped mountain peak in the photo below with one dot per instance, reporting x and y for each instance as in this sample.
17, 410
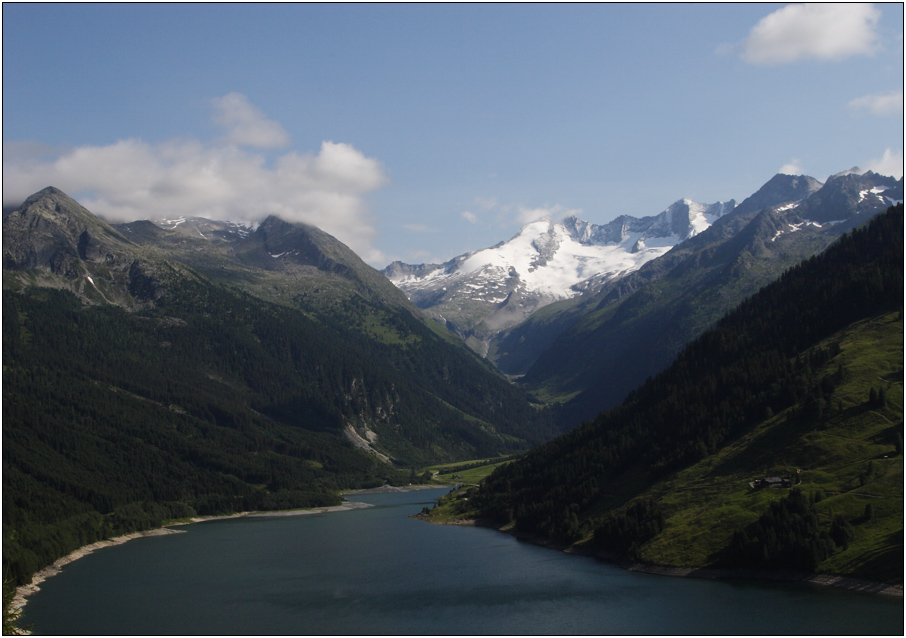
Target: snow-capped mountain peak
480, 293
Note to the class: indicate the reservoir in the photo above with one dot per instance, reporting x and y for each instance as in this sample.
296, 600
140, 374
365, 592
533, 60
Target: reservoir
376, 571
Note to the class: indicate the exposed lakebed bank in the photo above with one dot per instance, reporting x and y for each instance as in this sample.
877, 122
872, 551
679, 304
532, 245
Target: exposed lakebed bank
708, 573
24, 591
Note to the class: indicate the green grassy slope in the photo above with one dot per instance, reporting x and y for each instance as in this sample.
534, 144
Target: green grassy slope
852, 456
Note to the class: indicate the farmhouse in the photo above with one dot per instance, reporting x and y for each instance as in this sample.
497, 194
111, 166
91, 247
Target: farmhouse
772, 481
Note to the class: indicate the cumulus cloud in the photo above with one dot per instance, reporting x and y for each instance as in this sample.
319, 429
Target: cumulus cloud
793, 167
472, 218
890, 163
880, 104
132, 179
799, 32
245, 124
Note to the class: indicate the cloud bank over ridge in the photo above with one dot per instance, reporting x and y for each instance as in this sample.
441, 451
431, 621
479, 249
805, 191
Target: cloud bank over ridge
226, 179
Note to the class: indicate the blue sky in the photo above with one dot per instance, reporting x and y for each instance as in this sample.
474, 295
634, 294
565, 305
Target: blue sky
419, 132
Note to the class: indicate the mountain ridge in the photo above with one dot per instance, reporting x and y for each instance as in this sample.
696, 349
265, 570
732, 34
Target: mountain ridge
588, 353
480, 293
496, 315
153, 373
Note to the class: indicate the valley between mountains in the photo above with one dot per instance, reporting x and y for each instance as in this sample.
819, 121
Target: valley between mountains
631, 378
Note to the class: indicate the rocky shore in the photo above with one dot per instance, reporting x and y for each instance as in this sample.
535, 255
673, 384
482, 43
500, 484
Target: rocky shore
827, 580
24, 591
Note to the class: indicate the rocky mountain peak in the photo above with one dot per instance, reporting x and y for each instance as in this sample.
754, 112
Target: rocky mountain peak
855, 170
51, 230
779, 190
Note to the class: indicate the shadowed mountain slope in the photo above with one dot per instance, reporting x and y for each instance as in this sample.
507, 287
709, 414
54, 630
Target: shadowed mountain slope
152, 373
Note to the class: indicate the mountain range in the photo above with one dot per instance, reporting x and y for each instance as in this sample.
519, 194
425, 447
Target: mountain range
482, 293
157, 370
614, 327
773, 442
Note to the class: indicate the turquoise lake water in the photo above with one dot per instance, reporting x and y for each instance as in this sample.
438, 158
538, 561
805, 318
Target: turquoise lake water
377, 571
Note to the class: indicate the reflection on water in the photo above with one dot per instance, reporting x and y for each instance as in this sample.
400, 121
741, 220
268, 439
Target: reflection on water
376, 571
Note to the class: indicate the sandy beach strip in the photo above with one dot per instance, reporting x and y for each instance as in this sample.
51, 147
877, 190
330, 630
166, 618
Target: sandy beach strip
349, 505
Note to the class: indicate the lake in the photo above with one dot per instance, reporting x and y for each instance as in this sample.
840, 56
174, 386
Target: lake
377, 571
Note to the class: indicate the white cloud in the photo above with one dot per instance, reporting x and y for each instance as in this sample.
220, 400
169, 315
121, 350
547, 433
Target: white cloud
880, 104
133, 179
421, 255
507, 215
890, 163
793, 167
246, 125
798, 32
554, 213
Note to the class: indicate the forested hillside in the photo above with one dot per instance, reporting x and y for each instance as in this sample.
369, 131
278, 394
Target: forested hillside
192, 396
777, 355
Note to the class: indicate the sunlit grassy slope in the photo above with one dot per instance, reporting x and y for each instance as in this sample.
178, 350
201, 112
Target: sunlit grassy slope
467, 472
850, 459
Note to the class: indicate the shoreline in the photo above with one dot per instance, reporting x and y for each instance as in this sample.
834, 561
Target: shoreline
392, 489
23, 592
848, 583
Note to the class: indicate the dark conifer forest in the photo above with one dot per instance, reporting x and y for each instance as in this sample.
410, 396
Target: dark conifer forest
212, 401
752, 364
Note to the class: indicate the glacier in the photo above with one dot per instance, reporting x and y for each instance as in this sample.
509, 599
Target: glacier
481, 293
